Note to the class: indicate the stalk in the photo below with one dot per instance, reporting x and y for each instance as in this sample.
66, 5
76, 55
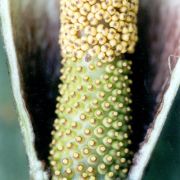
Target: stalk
91, 136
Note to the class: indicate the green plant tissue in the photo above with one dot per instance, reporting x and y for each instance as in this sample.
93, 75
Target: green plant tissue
13, 160
165, 160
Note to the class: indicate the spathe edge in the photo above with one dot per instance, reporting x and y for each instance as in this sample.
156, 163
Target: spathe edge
143, 156
36, 167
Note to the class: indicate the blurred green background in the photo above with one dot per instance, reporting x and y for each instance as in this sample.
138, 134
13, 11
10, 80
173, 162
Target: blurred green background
164, 164
13, 160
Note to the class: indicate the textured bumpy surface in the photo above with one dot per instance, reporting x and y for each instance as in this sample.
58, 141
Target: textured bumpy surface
91, 136
106, 28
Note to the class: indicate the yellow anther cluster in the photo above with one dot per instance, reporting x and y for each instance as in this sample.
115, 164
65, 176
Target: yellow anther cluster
91, 136
102, 28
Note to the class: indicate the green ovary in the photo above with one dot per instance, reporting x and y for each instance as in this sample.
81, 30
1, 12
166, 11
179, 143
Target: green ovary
91, 136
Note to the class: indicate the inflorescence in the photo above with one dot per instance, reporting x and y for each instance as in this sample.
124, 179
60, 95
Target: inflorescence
91, 136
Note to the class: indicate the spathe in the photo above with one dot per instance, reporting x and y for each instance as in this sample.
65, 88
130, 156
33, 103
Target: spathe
18, 43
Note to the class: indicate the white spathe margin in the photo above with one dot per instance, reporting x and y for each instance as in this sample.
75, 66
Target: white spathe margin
36, 170
144, 154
